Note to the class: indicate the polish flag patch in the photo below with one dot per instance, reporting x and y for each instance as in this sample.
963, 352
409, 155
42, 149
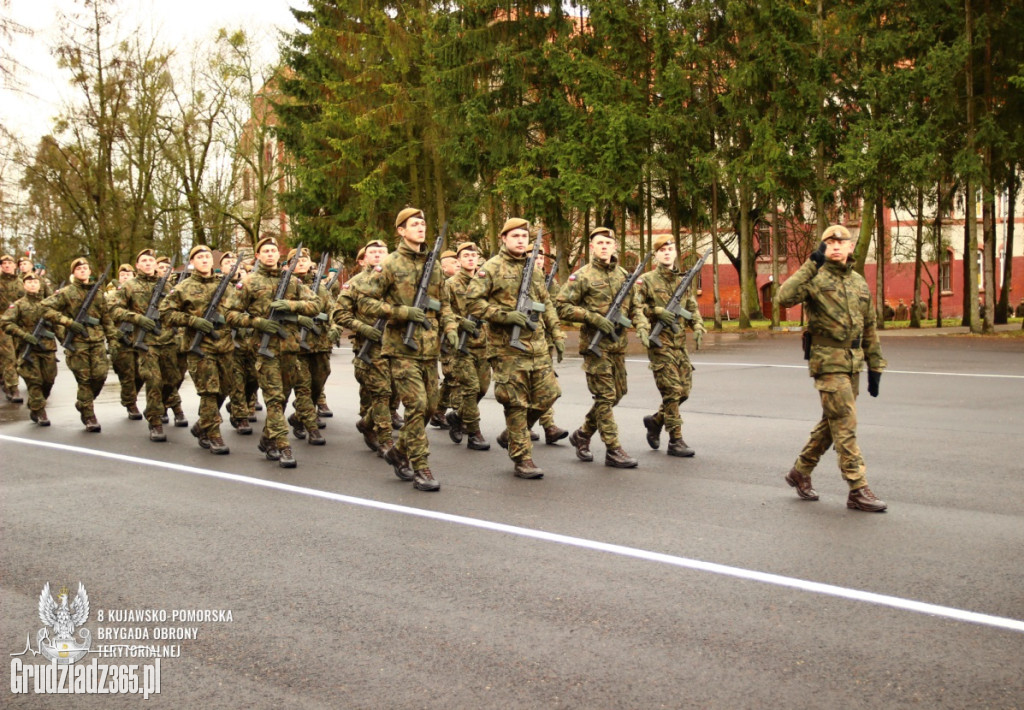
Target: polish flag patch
572, 277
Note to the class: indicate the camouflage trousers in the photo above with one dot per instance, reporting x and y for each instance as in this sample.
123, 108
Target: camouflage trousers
246, 383
278, 377
8, 362
39, 374
606, 380
126, 366
158, 369
673, 375
296, 379
448, 384
416, 384
547, 419
838, 426
375, 395
472, 375
88, 363
319, 365
213, 377
525, 391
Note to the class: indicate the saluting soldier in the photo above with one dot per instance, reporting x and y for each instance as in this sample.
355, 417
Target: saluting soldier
470, 371
673, 371
841, 321
586, 298
413, 370
10, 291
278, 369
87, 355
122, 354
39, 370
157, 365
524, 380
304, 420
212, 372
374, 377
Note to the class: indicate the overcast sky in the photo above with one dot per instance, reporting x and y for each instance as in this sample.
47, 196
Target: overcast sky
177, 23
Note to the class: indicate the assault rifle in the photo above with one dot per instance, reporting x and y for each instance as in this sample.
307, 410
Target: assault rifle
422, 300
330, 282
321, 316
535, 315
525, 304
42, 330
211, 313
153, 309
282, 291
364, 349
464, 335
614, 313
83, 316
677, 298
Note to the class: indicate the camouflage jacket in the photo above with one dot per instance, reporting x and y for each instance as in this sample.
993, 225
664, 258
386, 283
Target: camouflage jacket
131, 301
189, 300
11, 289
351, 307
458, 286
838, 307
319, 343
654, 290
592, 289
494, 291
62, 307
20, 320
395, 284
253, 296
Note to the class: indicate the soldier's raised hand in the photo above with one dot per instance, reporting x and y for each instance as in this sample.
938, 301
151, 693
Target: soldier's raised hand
818, 255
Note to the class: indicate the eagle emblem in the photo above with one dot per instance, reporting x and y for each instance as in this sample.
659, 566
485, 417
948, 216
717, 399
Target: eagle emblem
63, 620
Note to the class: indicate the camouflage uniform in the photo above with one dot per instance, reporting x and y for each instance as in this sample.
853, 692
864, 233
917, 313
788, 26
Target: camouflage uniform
10, 291
39, 373
374, 378
524, 381
318, 356
414, 372
158, 365
87, 355
673, 372
839, 312
212, 372
284, 371
472, 372
592, 289
123, 357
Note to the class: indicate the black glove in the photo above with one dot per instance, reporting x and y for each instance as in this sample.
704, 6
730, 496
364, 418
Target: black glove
818, 255
874, 379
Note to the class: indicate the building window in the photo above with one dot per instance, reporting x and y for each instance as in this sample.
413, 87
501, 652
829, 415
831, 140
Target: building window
945, 269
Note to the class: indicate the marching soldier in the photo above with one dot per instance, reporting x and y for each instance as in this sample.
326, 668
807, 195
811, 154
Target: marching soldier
26, 266
448, 396
673, 372
586, 298
39, 369
10, 291
212, 371
524, 381
304, 420
552, 432
122, 355
86, 355
157, 365
841, 323
471, 372
413, 370
278, 368
163, 265
243, 363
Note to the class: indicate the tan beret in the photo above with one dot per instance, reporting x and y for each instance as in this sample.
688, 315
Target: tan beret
23, 259
75, 263
466, 246
448, 254
29, 275
163, 260
265, 241
291, 253
228, 255
6, 257
145, 252
514, 223
361, 254
602, 232
406, 214
199, 249
126, 267
660, 241
836, 231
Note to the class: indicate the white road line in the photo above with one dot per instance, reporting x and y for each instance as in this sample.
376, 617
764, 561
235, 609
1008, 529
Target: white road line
636, 553
709, 363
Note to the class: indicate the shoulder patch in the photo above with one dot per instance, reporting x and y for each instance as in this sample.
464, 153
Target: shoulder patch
345, 286
481, 273
239, 285
572, 277
378, 268
639, 282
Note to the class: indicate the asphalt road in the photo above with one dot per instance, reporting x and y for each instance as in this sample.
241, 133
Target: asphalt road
347, 588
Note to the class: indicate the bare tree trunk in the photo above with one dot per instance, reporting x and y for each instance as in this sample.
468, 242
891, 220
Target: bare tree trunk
776, 319
880, 261
915, 320
970, 318
1004, 308
745, 247
939, 249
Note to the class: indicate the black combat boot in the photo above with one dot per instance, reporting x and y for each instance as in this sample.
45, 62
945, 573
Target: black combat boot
864, 499
455, 430
554, 434
477, 442
678, 447
287, 459
316, 438
217, 445
298, 428
200, 435
802, 484
582, 444
534, 436
526, 468
437, 419
653, 431
269, 449
133, 412
156, 432
399, 462
617, 458
369, 435
424, 480
179, 417
15, 396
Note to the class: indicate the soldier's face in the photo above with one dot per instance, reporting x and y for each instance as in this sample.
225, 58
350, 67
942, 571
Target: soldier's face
226, 265
449, 266
303, 264
602, 247
269, 255
146, 264
203, 263
414, 231
32, 286
838, 250
516, 241
25, 266
82, 272
162, 268
666, 256
468, 260
374, 255
7, 266
123, 276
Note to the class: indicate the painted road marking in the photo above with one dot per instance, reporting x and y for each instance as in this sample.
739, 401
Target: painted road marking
708, 363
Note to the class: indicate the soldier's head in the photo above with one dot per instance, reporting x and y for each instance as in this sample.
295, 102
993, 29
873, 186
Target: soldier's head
267, 252
838, 243
25, 264
31, 283
515, 236
449, 263
7, 264
125, 272
80, 270
145, 262
468, 257
372, 254
412, 226
227, 262
664, 249
201, 259
303, 261
163, 265
602, 244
